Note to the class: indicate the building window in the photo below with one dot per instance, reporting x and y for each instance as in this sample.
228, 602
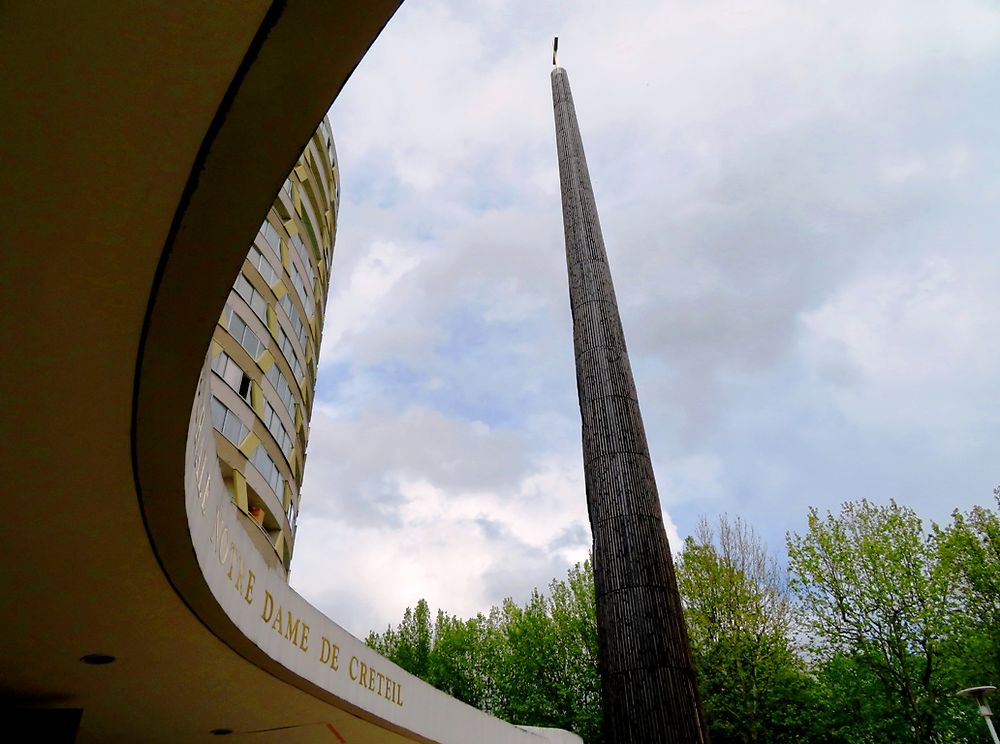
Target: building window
244, 388
300, 287
239, 330
233, 375
281, 386
300, 248
266, 467
290, 356
270, 235
263, 266
228, 370
277, 429
251, 296
297, 325
228, 423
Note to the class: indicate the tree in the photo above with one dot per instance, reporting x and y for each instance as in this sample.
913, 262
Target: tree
573, 608
533, 665
851, 705
740, 624
879, 596
881, 622
409, 645
454, 664
971, 544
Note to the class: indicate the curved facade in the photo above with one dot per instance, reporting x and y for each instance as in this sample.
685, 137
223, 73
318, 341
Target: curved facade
145, 606
265, 350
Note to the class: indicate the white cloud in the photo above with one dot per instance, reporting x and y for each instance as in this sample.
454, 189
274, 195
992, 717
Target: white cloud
462, 549
799, 206
904, 338
695, 477
369, 283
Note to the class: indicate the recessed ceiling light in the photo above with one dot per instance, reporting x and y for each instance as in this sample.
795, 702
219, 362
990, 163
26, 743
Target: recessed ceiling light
97, 659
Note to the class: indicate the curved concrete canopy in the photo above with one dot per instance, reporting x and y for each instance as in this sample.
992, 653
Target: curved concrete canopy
139, 149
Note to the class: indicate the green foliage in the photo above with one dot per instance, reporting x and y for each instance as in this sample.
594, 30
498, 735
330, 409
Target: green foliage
886, 608
453, 660
972, 546
739, 618
534, 665
852, 705
882, 619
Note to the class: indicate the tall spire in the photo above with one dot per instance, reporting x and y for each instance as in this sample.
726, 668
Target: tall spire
649, 686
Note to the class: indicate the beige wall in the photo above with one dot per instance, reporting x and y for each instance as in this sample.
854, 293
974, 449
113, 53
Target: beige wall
129, 204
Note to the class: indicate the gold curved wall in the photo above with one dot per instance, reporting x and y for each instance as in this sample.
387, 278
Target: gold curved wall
138, 158
265, 351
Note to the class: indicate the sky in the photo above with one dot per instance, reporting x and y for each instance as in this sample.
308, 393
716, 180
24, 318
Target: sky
799, 202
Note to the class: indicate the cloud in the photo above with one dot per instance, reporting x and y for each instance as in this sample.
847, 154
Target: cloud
799, 204
903, 336
462, 546
370, 283
358, 466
